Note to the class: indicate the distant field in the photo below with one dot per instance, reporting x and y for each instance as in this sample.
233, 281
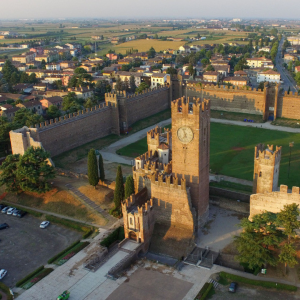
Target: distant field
145, 45
232, 151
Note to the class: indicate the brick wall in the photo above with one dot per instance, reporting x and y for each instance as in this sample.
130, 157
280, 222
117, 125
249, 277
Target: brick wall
289, 106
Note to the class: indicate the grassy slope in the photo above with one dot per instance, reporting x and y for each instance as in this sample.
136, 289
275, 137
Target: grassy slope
225, 160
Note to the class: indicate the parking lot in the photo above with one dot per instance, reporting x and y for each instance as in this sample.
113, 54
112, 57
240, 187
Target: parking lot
24, 246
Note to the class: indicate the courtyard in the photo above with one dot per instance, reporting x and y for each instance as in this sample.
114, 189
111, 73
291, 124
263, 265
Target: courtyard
25, 246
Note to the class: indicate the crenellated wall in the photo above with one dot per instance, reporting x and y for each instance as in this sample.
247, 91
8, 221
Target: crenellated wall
289, 106
274, 201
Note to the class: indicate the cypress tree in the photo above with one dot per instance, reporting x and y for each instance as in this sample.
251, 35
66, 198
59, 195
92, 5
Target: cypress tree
101, 168
119, 189
129, 186
92, 168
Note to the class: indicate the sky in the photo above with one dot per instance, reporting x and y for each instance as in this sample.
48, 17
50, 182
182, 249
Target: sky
125, 9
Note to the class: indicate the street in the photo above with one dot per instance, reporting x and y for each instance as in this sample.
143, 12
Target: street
287, 80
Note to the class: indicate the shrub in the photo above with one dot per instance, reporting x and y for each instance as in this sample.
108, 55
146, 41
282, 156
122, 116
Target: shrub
37, 278
266, 284
26, 278
71, 224
55, 257
5, 289
116, 235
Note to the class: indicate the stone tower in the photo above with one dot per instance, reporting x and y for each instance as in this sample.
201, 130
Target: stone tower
266, 169
190, 151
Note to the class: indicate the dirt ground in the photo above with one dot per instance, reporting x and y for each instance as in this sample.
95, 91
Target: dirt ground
61, 201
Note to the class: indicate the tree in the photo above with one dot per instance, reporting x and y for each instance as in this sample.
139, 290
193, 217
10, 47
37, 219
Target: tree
34, 171
119, 85
204, 62
287, 218
119, 189
53, 112
258, 240
191, 70
210, 68
93, 168
43, 64
25, 117
129, 186
32, 78
288, 255
132, 84
101, 168
126, 84
171, 71
8, 177
71, 103
141, 87
151, 53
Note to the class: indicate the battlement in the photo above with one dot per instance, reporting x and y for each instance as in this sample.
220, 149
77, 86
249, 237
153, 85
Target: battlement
185, 107
268, 154
133, 202
169, 181
73, 116
147, 92
212, 87
284, 189
291, 94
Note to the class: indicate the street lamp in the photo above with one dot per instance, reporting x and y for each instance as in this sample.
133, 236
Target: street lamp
291, 145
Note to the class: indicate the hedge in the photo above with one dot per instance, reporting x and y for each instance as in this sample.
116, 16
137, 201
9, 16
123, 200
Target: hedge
116, 235
31, 212
5, 289
26, 278
71, 224
204, 291
36, 278
54, 258
266, 284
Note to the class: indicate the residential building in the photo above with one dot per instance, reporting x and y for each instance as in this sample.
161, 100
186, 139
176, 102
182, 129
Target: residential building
185, 49
53, 66
34, 106
82, 92
211, 76
290, 57
257, 62
9, 113
236, 81
265, 49
269, 75
112, 56
159, 79
24, 58
66, 64
55, 100
126, 75
297, 69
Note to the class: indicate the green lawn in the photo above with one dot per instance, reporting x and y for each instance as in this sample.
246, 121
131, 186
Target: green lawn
232, 151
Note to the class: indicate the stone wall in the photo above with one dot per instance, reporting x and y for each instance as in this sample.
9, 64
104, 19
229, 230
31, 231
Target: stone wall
235, 100
273, 202
289, 106
214, 191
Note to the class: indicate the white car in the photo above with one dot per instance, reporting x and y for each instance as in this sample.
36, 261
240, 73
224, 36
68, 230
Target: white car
44, 224
2, 273
11, 210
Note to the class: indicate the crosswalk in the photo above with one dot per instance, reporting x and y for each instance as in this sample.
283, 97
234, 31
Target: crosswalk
215, 284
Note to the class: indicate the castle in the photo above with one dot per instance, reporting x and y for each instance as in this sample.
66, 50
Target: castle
174, 176
120, 111
266, 196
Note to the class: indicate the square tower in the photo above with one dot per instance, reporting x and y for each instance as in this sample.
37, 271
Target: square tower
266, 169
190, 150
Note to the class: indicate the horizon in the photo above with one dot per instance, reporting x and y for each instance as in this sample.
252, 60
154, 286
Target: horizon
35, 10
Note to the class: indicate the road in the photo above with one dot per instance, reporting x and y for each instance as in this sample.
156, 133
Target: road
288, 81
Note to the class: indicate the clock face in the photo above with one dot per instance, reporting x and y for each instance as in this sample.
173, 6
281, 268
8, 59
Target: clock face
185, 134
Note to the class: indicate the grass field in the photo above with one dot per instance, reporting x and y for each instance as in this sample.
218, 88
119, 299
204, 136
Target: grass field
232, 151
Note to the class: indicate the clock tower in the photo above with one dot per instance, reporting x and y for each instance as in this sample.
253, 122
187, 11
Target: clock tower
190, 150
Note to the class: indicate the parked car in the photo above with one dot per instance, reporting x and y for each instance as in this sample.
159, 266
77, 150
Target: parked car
21, 214
232, 287
2, 206
11, 211
4, 226
15, 213
2, 273
5, 209
44, 224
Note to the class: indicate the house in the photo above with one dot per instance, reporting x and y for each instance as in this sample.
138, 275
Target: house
265, 49
269, 75
82, 92
5, 106
24, 58
297, 69
126, 75
159, 79
39, 73
37, 50
222, 70
236, 81
9, 113
53, 66
35, 106
185, 49
257, 62
112, 56
66, 64
42, 57
211, 76
290, 57
87, 67
240, 74
55, 100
